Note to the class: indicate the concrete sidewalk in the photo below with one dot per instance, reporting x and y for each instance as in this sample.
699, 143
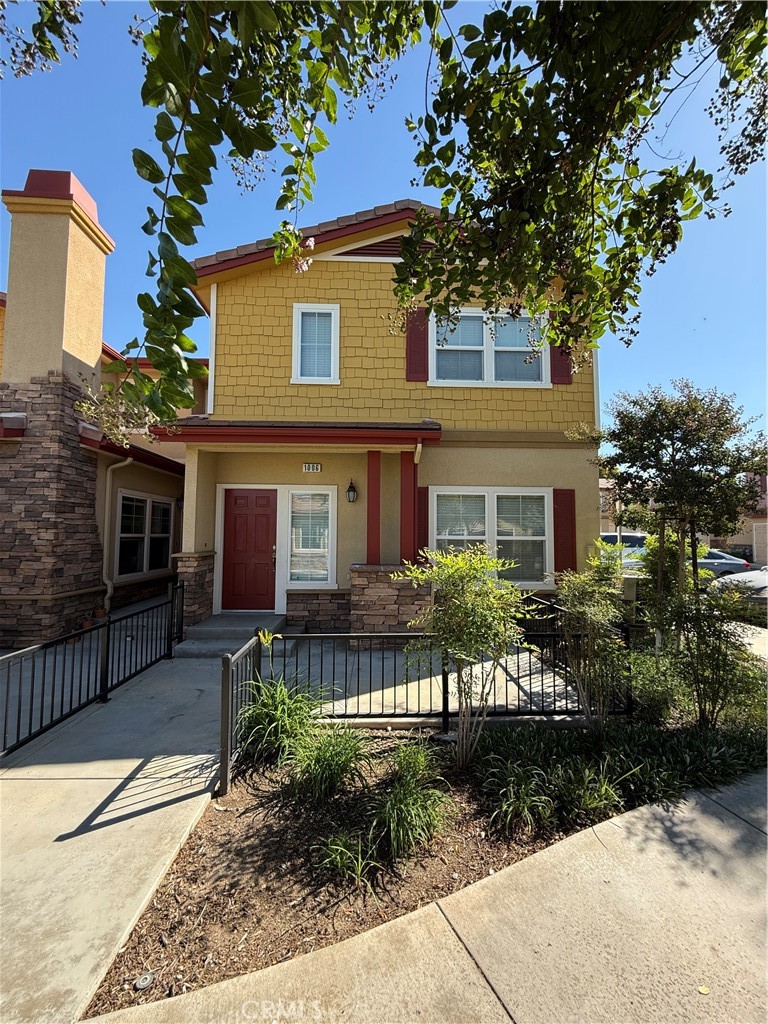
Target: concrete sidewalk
93, 814
656, 916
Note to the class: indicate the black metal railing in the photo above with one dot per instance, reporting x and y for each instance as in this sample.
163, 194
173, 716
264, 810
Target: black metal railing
46, 684
377, 676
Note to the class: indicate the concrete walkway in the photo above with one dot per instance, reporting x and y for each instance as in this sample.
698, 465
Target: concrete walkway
93, 814
654, 917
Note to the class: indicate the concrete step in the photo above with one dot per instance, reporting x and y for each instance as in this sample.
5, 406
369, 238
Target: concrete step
235, 626
227, 633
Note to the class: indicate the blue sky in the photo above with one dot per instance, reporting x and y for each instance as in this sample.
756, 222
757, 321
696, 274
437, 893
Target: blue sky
704, 312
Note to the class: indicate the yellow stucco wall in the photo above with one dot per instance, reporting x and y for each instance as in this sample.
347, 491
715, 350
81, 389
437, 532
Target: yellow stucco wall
254, 331
439, 467
56, 296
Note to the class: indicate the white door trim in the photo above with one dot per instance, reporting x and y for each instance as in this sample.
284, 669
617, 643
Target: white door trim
282, 543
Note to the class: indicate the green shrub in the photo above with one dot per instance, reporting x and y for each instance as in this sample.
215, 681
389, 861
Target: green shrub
320, 764
348, 855
413, 762
657, 693
536, 777
714, 661
405, 816
276, 716
520, 793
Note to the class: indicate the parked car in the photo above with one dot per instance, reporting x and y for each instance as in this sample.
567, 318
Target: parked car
754, 584
722, 564
628, 539
719, 563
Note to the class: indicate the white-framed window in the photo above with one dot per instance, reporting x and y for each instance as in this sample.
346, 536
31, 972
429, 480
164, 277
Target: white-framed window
315, 344
484, 351
144, 532
516, 522
311, 537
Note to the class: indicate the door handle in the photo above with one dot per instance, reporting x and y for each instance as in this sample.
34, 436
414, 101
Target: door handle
274, 556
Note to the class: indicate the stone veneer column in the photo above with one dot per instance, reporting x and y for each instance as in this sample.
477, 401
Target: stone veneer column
50, 549
195, 569
380, 604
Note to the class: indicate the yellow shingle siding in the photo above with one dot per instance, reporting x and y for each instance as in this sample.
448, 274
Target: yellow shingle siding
254, 337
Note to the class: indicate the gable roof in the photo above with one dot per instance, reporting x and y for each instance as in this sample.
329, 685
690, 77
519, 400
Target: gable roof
326, 231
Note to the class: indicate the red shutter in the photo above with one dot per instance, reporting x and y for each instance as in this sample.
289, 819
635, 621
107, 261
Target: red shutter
560, 365
564, 502
422, 518
417, 346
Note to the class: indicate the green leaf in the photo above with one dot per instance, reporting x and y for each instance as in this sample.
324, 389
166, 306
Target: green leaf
184, 210
147, 167
115, 366
181, 230
331, 103
165, 128
264, 16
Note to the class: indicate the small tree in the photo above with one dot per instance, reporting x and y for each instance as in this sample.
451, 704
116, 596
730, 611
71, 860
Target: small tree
686, 457
596, 651
473, 620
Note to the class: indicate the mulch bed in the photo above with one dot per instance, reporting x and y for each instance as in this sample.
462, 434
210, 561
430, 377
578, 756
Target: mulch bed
245, 893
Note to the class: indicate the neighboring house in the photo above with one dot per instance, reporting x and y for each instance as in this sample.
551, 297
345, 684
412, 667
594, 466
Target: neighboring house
86, 523
440, 438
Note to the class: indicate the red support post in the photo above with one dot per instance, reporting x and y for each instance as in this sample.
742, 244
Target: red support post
374, 508
408, 492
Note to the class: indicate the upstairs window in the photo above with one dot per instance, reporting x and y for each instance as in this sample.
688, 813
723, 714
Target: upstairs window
315, 344
481, 351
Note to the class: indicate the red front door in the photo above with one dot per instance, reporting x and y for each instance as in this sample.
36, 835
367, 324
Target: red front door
250, 531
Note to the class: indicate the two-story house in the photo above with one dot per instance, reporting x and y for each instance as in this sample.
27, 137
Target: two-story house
333, 448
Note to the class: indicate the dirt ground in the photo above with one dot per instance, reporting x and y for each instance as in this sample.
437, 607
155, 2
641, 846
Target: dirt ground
245, 891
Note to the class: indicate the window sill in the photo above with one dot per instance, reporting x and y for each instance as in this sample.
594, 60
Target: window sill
313, 380
151, 575
310, 585
532, 385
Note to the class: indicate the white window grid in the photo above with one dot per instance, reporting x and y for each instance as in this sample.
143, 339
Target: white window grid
489, 349
299, 308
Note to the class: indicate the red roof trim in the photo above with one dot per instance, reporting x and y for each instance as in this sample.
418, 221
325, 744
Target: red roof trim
3, 299
288, 434
320, 238
137, 454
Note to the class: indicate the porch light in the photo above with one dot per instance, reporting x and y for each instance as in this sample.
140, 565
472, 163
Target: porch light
351, 492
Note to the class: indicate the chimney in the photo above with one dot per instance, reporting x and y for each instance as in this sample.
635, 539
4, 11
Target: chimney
55, 305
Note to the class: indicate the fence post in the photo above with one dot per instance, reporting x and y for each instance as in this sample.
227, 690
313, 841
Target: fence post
104, 650
226, 723
169, 624
446, 708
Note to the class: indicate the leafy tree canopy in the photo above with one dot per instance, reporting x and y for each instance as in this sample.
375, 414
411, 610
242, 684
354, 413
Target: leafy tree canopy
536, 128
689, 458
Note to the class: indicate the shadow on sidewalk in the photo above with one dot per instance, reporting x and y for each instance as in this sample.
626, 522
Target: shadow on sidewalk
154, 783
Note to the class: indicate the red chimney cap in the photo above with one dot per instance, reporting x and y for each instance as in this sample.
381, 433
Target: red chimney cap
58, 185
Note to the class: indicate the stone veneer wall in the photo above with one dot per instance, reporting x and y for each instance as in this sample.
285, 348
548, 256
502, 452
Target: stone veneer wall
50, 549
318, 611
195, 571
380, 604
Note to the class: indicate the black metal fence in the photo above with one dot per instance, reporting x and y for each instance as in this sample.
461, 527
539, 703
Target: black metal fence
375, 676
43, 685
